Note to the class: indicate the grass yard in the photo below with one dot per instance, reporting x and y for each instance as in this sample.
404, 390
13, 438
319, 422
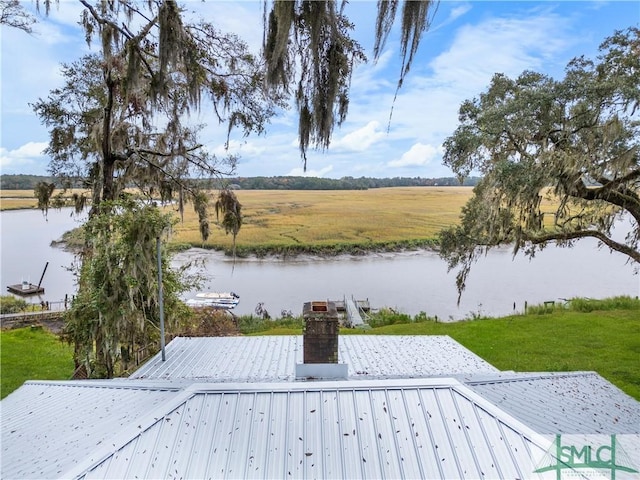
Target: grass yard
607, 342
32, 354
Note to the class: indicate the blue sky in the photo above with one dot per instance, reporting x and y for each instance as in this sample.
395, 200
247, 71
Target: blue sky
468, 42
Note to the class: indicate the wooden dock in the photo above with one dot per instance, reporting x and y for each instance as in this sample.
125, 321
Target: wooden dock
353, 311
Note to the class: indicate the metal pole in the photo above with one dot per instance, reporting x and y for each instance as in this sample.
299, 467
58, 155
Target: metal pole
160, 297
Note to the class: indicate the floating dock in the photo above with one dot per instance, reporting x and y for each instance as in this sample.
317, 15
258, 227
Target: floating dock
25, 289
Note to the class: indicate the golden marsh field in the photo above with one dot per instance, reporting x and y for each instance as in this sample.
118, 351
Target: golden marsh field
278, 219
317, 220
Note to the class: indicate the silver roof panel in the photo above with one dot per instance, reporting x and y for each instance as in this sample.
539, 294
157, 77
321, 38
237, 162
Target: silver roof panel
273, 358
564, 402
48, 426
432, 428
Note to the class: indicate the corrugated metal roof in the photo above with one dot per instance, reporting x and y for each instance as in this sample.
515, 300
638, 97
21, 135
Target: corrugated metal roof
551, 403
273, 358
47, 427
434, 428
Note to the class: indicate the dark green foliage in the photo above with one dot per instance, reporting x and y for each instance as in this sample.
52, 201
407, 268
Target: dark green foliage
116, 310
166, 191
248, 324
574, 142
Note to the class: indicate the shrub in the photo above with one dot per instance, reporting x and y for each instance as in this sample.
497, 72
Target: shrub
253, 324
209, 322
587, 305
11, 304
614, 303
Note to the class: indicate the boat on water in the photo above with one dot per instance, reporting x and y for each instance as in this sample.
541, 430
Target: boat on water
224, 300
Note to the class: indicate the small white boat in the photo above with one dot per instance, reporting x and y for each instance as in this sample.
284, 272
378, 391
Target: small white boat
224, 300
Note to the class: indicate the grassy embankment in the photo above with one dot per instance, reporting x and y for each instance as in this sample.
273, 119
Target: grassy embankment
601, 336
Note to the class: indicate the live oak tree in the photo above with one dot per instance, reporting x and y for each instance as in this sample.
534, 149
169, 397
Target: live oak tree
123, 119
560, 159
116, 311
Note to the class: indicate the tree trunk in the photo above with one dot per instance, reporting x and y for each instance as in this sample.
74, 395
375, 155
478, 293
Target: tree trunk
108, 158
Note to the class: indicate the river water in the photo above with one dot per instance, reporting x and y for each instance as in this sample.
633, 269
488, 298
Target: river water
410, 282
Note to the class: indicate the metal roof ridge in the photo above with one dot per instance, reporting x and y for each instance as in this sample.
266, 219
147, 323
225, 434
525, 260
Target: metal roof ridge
524, 376
146, 422
119, 383
128, 434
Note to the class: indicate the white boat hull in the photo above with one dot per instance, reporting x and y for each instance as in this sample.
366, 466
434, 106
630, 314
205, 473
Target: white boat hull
226, 301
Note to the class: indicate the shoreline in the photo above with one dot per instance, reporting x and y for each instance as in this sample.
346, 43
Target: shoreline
198, 252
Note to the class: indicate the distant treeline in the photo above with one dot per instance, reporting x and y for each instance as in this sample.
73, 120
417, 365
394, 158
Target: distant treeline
344, 183
28, 182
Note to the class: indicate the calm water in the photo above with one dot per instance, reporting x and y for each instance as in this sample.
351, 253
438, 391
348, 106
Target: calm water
408, 282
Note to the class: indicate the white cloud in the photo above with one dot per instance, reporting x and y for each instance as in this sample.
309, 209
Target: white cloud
361, 139
238, 148
500, 45
299, 172
468, 42
23, 159
426, 109
418, 155
459, 11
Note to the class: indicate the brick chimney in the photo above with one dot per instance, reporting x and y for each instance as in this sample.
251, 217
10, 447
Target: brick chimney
320, 335
320, 343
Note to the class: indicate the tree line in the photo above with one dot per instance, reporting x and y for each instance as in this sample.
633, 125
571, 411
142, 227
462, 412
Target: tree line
29, 182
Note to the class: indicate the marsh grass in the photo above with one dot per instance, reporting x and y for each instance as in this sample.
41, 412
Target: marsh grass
328, 220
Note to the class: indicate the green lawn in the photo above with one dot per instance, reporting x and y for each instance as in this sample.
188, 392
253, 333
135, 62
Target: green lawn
32, 354
607, 342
